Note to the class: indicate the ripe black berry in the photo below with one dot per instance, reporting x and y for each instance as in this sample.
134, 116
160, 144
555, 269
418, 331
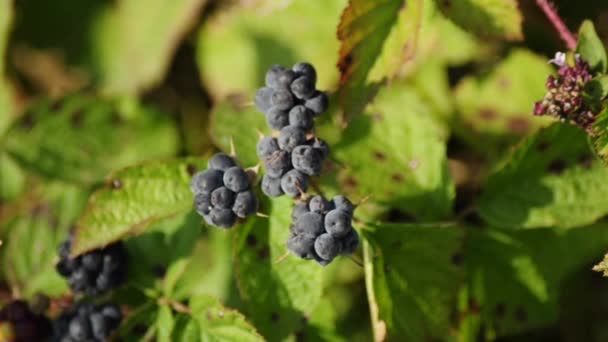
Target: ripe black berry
277, 163
221, 161
327, 224
277, 118
299, 209
303, 87
222, 193
309, 224
207, 181
245, 204
291, 137
262, 99
271, 186
267, 146
300, 116
327, 247
87, 322
318, 103
337, 223
24, 324
222, 197
294, 183
236, 179
319, 205
279, 77
94, 272
305, 69
307, 160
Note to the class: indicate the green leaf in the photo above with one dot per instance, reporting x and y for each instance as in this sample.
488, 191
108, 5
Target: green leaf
157, 273
133, 199
144, 316
31, 239
595, 91
551, 179
591, 48
134, 41
397, 157
278, 295
186, 329
230, 121
6, 106
496, 108
235, 48
209, 270
12, 182
599, 140
376, 38
486, 18
218, 323
164, 323
516, 278
412, 278
62, 142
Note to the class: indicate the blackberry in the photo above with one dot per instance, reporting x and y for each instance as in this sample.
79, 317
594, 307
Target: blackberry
87, 322
290, 137
267, 146
277, 118
282, 99
94, 272
279, 77
307, 160
318, 103
294, 183
328, 224
319, 205
298, 210
271, 186
23, 324
337, 223
327, 247
221, 161
245, 204
300, 116
303, 87
278, 163
222, 193
262, 99
305, 69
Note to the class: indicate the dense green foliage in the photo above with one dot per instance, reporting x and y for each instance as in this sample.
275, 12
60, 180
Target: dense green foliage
478, 220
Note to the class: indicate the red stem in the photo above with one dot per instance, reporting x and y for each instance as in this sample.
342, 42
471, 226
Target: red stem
557, 22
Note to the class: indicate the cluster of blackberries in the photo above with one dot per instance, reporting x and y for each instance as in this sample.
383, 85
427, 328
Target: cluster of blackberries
290, 97
564, 97
94, 272
24, 325
222, 193
322, 229
289, 161
87, 322
290, 103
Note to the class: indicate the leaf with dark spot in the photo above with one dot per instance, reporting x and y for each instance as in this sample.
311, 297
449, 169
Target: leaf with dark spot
145, 194
279, 293
414, 284
486, 18
81, 144
542, 187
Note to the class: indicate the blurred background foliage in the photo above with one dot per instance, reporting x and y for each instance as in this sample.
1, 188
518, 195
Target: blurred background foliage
90, 87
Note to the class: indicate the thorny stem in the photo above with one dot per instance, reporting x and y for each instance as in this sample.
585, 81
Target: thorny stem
557, 22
